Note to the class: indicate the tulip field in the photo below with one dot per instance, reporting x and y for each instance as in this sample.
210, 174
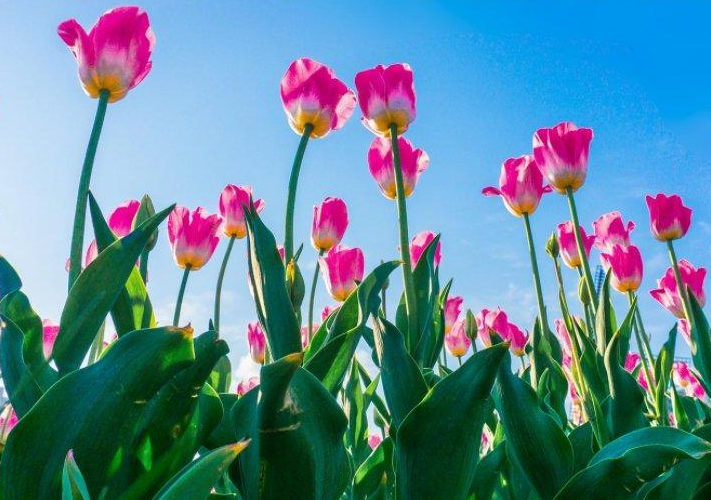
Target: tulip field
452, 404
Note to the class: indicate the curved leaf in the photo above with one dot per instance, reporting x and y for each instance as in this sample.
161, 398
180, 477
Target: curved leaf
22, 388
9, 279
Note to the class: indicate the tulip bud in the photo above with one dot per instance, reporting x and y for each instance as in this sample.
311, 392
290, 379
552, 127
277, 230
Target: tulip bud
552, 246
295, 284
583, 292
470, 325
145, 212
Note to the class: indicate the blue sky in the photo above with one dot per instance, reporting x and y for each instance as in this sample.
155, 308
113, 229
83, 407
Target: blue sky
487, 75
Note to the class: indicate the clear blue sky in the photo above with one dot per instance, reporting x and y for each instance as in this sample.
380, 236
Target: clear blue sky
487, 75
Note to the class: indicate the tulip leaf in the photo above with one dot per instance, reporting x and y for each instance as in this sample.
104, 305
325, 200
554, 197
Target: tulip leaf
132, 309
624, 465
223, 433
487, 472
583, 443
21, 386
435, 457
534, 440
374, 470
604, 318
196, 480
662, 373
701, 345
426, 284
95, 292
91, 411
73, 483
9, 279
268, 277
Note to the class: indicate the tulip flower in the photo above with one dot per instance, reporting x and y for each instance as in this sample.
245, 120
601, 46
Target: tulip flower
233, 199
50, 331
307, 335
610, 230
327, 311
419, 244
452, 310
456, 340
561, 331
684, 378
374, 441
667, 292
520, 185
517, 338
669, 218
257, 342
684, 328
247, 385
313, 96
122, 218
626, 266
329, 223
386, 95
413, 162
568, 246
561, 153
489, 322
8, 420
342, 270
631, 361
115, 55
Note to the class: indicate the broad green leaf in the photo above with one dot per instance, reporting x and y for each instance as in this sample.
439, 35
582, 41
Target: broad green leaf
604, 319
426, 285
487, 472
223, 433
221, 375
436, 455
95, 292
9, 279
354, 406
91, 411
374, 470
662, 373
21, 386
73, 484
701, 346
582, 440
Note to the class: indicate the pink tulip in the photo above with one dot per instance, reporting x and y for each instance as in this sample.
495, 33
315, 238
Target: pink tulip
684, 378
8, 420
374, 441
327, 311
685, 329
419, 244
92, 252
631, 361
386, 95
669, 218
311, 94
121, 219
233, 199
115, 55
520, 185
413, 162
488, 322
50, 331
247, 385
329, 224
568, 247
452, 310
517, 338
193, 236
667, 293
280, 249
306, 336
457, 340
563, 335
257, 342
610, 231
342, 269
561, 153
626, 266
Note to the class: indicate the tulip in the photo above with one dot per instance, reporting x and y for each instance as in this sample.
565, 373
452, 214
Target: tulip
327, 311
669, 218
386, 95
561, 331
50, 331
247, 385
631, 361
684, 328
667, 293
307, 335
374, 441
457, 341
257, 342
121, 219
520, 185
517, 338
489, 322
313, 96
329, 224
568, 246
626, 266
233, 199
610, 231
684, 378
342, 270
419, 244
561, 153
8, 420
413, 162
452, 310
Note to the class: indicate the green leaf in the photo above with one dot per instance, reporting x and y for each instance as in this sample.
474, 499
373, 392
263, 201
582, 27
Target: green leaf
22, 388
426, 285
270, 294
604, 318
436, 456
221, 375
91, 411
583, 443
9, 279
487, 472
374, 470
132, 309
662, 373
534, 441
196, 480
701, 347
354, 406
95, 292
73, 484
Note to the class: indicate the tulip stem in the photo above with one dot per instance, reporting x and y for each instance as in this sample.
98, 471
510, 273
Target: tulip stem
542, 317
581, 246
291, 197
83, 192
181, 294
313, 292
645, 352
220, 279
679, 283
410, 297
459, 360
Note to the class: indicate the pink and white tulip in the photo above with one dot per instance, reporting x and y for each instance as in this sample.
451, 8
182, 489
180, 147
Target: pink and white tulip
257, 341
413, 161
8, 420
233, 199
374, 441
193, 236
669, 218
517, 339
327, 311
457, 340
684, 378
667, 293
610, 230
244, 386
329, 224
561, 332
452, 310
50, 331
122, 218
488, 322
306, 336
342, 269
625, 263
520, 185
386, 95
684, 328
419, 244
561, 153
115, 55
568, 246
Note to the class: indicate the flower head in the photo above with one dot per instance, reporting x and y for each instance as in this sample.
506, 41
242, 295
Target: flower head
327, 311
342, 269
669, 218
625, 264
419, 244
244, 386
520, 185
122, 218
413, 162
568, 246
667, 293
329, 223
456, 340
193, 236
386, 95
489, 322
517, 338
374, 441
306, 336
452, 310
233, 199
684, 378
610, 230
257, 341
561, 153
50, 331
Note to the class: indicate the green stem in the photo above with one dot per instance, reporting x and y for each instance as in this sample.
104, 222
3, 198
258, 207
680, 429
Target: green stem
181, 294
679, 283
143, 266
313, 293
383, 304
410, 297
581, 247
542, 317
559, 279
220, 279
291, 198
459, 360
83, 192
645, 353
589, 312
97, 344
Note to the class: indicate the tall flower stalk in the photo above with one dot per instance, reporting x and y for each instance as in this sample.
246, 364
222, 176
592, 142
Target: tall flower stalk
291, 194
181, 295
542, 317
312, 293
220, 279
587, 275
